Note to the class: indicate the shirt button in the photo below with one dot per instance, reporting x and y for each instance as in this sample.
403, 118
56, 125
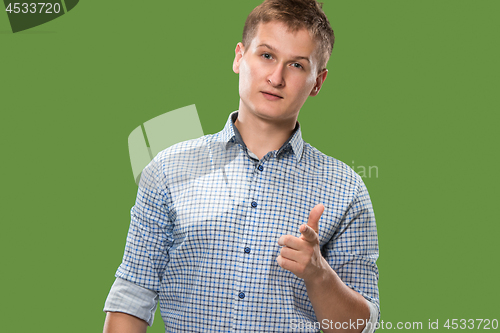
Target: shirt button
247, 250
260, 167
254, 204
241, 295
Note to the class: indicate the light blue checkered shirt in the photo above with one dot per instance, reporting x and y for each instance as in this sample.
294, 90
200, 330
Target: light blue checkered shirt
204, 231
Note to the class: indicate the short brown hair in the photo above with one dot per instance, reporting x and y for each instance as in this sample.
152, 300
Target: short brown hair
296, 15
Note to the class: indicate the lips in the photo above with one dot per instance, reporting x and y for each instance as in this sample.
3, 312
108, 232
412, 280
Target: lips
270, 96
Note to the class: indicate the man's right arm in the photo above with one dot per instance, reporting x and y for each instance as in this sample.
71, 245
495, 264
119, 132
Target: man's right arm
118, 322
129, 305
133, 298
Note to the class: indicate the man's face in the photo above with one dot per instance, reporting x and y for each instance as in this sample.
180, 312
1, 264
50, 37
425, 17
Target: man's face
277, 72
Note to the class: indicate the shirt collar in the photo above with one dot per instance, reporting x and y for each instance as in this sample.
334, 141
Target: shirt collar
230, 134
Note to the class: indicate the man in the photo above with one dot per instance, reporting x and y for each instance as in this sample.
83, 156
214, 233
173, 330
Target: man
219, 233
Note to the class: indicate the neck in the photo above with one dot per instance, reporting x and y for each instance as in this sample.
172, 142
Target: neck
261, 135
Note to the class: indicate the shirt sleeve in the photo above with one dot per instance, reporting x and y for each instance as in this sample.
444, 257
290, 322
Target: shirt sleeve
353, 250
132, 299
149, 237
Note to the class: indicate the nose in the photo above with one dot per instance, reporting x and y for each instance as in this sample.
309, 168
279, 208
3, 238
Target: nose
276, 78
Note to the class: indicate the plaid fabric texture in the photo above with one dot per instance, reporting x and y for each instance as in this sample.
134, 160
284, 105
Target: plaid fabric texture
206, 221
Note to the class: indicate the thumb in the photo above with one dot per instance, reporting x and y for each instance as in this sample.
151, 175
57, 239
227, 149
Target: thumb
314, 217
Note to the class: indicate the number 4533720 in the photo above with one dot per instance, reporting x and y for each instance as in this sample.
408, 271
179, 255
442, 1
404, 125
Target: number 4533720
471, 324
33, 8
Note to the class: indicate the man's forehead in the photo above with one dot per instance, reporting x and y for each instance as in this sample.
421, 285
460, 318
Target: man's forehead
279, 37
276, 27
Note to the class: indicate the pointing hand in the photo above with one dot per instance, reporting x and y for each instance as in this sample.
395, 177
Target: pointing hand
302, 255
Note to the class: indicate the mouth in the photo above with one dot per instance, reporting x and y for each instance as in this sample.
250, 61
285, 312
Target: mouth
271, 96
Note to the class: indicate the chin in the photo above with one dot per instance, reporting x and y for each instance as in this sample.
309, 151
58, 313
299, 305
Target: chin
275, 115
268, 110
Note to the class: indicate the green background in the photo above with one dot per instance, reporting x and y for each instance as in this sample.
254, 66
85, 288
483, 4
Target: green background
413, 89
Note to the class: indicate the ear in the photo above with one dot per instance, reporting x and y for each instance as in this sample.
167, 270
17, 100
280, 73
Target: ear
238, 54
319, 82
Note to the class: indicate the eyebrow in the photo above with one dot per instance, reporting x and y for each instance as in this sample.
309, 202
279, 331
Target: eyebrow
273, 49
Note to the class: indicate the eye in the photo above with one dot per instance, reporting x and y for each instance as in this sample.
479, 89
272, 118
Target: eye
297, 65
267, 56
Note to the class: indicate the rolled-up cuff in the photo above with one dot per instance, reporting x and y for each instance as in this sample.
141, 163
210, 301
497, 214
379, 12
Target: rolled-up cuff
371, 324
127, 297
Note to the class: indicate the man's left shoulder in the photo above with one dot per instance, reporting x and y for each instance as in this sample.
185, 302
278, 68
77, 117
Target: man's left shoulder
328, 166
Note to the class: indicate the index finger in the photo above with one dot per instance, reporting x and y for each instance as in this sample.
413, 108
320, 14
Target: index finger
314, 217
